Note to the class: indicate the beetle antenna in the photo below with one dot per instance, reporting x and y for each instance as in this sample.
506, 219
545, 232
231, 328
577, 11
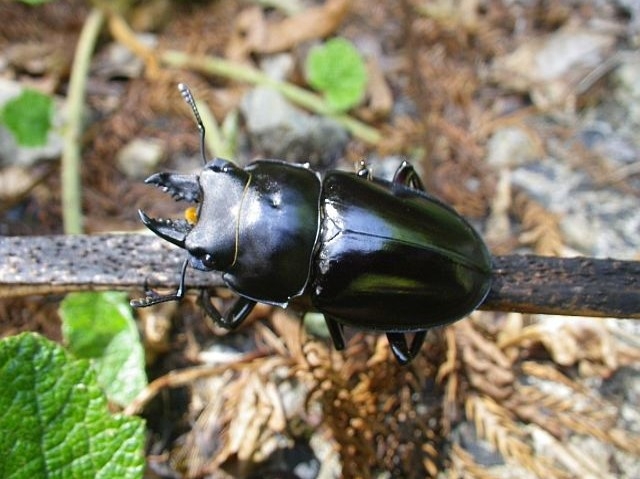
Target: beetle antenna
188, 97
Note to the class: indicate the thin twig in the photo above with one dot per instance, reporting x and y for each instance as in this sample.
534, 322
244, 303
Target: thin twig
243, 73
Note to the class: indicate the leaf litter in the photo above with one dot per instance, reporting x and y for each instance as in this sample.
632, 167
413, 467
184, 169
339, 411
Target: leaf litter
449, 77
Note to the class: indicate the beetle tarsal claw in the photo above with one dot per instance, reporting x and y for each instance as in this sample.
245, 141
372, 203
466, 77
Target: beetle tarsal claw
180, 187
151, 298
174, 231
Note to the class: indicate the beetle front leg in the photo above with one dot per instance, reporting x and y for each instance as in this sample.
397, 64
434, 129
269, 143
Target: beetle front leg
401, 350
151, 297
406, 175
233, 317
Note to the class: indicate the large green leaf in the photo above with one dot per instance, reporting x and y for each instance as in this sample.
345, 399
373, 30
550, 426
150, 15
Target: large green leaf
54, 418
100, 327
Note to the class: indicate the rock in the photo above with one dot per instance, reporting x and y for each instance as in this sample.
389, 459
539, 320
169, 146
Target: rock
279, 130
278, 67
549, 68
595, 221
140, 157
627, 76
510, 147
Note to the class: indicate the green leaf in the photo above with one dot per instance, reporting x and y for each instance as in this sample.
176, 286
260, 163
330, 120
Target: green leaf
100, 326
28, 117
337, 69
54, 419
35, 2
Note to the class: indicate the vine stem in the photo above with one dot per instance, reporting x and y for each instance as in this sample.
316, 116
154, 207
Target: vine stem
239, 72
243, 73
71, 196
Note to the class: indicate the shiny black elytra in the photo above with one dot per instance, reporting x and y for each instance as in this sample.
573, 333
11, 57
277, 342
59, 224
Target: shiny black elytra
368, 253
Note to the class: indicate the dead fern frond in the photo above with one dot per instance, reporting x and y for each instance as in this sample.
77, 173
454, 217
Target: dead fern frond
587, 342
541, 228
574, 459
488, 369
546, 404
373, 410
463, 466
449, 372
534, 416
548, 372
240, 418
346, 408
497, 425
563, 407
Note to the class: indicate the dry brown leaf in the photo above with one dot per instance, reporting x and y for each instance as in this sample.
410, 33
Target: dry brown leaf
311, 24
379, 96
249, 31
253, 34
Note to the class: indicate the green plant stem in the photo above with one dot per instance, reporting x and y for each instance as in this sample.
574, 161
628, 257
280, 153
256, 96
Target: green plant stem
242, 73
216, 141
71, 197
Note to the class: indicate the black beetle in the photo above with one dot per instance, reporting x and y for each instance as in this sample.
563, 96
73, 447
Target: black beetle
374, 254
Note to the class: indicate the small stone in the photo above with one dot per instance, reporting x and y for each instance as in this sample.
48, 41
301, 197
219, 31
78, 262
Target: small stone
279, 130
140, 157
509, 147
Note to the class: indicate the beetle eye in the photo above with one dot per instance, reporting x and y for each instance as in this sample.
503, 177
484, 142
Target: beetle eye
207, 260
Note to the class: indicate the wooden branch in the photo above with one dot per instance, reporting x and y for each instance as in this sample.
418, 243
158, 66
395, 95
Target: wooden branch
525, 283
567, 286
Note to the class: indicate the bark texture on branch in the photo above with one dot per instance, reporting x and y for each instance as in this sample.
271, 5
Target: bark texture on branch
524, 283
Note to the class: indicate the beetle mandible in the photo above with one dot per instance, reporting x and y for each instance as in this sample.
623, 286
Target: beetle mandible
369, 253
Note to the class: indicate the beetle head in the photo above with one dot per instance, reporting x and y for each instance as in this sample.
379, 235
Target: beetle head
211, 239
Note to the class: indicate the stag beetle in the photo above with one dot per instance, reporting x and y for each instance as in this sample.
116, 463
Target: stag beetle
374, 254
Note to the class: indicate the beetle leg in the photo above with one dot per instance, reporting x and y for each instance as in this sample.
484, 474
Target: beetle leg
401, 350
406, 175
336, 331
233, 317
151, 297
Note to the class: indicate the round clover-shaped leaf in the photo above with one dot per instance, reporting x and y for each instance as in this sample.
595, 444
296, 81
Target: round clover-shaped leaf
338, 71
28, 117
